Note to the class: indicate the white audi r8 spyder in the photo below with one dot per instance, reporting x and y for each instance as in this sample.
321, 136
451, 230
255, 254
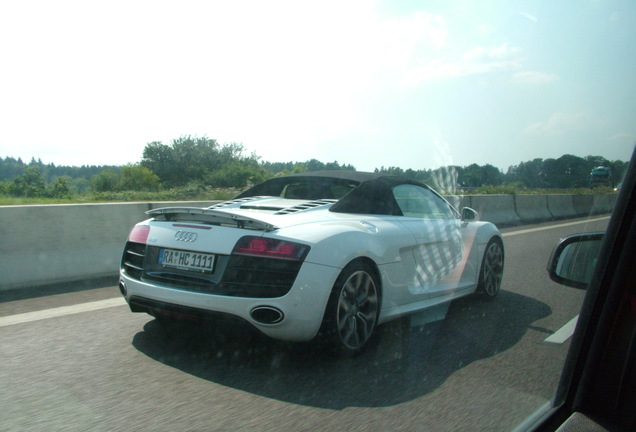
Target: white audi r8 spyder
322, 254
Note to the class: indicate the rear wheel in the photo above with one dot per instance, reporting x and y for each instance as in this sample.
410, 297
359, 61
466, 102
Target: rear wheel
491, 272
352, 312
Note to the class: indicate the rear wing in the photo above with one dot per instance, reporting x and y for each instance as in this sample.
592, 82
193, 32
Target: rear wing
208, 216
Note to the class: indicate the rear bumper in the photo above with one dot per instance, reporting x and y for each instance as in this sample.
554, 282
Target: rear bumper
301, 309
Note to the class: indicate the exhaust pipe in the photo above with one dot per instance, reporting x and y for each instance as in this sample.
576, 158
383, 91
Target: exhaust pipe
267, 315
122, 288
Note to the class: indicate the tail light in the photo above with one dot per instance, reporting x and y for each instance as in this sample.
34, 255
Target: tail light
271, 248
139, 234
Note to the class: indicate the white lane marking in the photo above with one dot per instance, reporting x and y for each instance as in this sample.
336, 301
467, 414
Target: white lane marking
564, 333
531, 230
60, 311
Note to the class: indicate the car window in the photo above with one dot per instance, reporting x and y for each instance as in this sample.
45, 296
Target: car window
303, 187
315, 190
418, 202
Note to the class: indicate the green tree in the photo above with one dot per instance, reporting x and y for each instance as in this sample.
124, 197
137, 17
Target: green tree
187, 159
298, 167
160, 159
11, 168
333, 166
80, 185
277, 167
619, 168
445, 179
314, 165
392, 170
568, 171
4, 188
491, 176
137, 178
61, 188
529, 173
30, 184
106, 180
232, 152
470, 176
236, 175
191, 159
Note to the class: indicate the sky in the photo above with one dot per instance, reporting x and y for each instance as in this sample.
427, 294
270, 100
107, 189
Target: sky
409, 84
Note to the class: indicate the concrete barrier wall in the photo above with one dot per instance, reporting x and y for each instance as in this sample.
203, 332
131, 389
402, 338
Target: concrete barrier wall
603, 204
48, 244
582, 204
45, 244
498, 209
511, 210
532, 208
560, 206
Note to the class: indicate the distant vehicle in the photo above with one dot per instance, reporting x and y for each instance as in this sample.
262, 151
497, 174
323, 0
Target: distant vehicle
330, 253
601, 176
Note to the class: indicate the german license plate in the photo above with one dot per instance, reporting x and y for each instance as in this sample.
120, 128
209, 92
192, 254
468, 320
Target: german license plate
185, 260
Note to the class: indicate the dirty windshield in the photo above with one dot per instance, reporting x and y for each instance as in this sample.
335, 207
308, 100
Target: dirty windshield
288, 216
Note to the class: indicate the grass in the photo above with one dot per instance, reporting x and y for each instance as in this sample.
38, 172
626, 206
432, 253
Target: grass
177, 194
221, 194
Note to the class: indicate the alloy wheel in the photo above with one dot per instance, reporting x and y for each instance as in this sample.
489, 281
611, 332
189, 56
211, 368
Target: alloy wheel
492, 269
357, 309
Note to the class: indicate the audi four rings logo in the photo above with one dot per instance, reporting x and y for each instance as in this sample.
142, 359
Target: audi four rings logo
186, 236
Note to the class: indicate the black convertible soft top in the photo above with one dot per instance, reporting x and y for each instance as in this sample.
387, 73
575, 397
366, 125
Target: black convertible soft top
357, 192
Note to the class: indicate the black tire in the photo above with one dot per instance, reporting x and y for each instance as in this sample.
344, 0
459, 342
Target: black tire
491, 271
353, 309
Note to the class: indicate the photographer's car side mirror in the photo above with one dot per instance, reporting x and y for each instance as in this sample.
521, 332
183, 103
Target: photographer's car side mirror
573, 259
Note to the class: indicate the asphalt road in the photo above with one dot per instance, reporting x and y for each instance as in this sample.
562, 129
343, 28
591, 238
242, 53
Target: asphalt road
82, 361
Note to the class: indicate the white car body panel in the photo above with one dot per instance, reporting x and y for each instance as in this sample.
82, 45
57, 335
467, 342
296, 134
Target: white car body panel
303, 306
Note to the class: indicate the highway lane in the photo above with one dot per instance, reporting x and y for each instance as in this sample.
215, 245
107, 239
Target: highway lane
485, 366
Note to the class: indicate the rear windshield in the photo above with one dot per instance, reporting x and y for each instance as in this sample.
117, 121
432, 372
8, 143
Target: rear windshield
310, 188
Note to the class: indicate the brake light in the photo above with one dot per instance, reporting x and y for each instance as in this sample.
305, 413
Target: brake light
271, 248
139, 234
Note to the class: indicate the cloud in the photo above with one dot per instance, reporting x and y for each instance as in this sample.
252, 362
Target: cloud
623, 136
533, 77
479, 60
426, 28
560, 123
503, 52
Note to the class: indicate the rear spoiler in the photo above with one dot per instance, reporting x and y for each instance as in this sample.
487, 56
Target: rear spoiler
207, 216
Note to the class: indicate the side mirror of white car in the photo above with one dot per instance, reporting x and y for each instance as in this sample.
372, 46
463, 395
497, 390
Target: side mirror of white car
469, 215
